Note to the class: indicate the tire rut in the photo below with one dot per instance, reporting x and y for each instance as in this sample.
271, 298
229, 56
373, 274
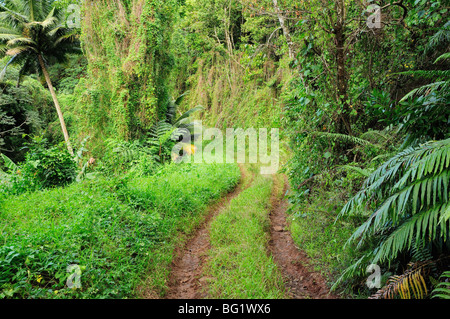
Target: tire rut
187, 280
301, 282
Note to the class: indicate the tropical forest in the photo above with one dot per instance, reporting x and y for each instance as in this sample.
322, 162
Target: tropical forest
224, 149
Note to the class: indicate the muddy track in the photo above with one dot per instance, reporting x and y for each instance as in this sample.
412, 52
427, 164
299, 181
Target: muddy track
300, 281
187, 279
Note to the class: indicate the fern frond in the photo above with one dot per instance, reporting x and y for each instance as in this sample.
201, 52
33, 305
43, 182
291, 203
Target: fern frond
445, 216
159, 130
440, 37
378, 136
419, 227
356, 269
9, 163
408, 285
410, 192
428, 74
444, 56
435, 86
362, 171
442, 290
381, 156
343, 138
421, 251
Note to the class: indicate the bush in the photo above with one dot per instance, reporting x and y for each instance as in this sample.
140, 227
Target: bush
44, 167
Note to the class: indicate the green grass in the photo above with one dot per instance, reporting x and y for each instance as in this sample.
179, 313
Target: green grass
121, 232
239, 266
313, 228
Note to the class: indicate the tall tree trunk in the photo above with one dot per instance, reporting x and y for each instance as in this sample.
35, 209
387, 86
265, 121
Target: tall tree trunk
55, 100
285, 29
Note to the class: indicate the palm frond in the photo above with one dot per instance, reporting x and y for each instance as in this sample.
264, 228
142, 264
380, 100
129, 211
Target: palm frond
6, 30
9, 36
44, 24
21, 41
410, 192
19, 50
68, 36
11, 13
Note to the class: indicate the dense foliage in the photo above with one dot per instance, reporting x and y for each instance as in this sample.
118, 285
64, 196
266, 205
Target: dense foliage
363, 110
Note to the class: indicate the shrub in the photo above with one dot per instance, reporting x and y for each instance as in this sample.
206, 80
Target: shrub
44, 167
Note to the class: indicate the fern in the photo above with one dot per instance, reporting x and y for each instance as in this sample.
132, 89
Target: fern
410, 193
435, 86
159, 132
425, 109
442, 290
377, 136
445, 56
9, 164
408, 285
421, 251
163, 135
439, 38
429, 74
343, 138
362, 171
125, 152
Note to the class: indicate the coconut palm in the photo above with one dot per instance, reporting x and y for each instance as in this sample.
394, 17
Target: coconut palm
34, 35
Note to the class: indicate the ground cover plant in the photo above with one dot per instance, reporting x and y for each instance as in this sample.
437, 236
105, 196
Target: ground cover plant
115, 230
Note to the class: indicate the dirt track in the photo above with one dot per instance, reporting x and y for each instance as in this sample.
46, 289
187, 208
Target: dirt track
188, 282
299, 280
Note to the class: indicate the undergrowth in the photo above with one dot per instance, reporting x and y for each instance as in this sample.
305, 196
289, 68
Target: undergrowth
117, 231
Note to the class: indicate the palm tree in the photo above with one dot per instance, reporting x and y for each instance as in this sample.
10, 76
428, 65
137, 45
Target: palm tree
33, 33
